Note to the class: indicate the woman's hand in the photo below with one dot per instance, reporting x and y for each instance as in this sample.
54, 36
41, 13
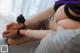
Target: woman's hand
12, 30
13, 26
25, 39
9, 33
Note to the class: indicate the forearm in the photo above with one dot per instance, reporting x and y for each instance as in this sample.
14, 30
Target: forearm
41, 16
37, 34
30, 36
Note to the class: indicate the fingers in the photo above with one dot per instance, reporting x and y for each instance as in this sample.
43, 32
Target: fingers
10, 25
13, 26
6, 34
12, 29
9, 33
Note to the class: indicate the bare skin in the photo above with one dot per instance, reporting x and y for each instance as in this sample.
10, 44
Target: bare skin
35, 20
61, 20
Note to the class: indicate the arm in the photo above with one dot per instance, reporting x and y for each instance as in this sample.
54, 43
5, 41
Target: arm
29, 36
36, 19
36, 34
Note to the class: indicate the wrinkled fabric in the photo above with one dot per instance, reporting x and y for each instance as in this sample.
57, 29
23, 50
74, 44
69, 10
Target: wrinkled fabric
73, 46
55, 42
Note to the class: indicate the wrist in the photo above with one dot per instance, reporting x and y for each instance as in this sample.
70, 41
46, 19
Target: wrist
27, 22
21, 25
23, 32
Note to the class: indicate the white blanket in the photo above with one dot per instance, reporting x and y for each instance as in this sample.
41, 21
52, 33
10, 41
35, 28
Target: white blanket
56, 41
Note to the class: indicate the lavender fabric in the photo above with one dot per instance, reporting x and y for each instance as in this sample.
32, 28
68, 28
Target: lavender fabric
69, 1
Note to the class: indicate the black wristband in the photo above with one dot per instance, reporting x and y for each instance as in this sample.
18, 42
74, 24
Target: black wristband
20, 19
18, 31
23, 26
